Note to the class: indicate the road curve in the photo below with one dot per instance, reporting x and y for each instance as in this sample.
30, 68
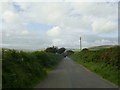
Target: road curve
70, 74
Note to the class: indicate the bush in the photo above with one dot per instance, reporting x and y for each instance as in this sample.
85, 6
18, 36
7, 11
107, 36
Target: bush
24, 70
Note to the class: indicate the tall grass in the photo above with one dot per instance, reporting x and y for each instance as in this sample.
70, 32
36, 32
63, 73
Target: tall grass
103, 62
25, 70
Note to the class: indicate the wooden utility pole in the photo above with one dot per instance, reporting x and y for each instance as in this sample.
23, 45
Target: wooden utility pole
80, 44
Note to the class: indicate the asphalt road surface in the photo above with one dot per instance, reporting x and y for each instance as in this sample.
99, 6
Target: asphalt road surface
70, 74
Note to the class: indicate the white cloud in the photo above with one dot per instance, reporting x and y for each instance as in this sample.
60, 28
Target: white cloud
10, 17
25, 32
57, 42
8, 13
69, 21
4, 7
73, 15
105, 42
55, 31
104, 26
100, 9
48, 13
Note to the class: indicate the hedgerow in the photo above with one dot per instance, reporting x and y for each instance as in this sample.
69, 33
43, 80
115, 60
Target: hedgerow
25, 70
104, 62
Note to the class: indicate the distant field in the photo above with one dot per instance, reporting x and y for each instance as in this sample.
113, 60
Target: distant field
96, 48
76, 50
101, 47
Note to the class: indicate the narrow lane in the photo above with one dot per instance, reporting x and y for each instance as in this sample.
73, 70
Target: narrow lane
70, 74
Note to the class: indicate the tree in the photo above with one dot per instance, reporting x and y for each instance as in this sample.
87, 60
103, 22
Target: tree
52, 49
61, 50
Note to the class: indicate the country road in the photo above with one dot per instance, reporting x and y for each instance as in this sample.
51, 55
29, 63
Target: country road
70, 74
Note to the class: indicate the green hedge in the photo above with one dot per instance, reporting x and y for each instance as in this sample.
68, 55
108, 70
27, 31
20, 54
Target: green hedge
25, 70
104, 62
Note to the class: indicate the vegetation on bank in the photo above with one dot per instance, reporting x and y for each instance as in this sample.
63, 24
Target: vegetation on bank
103, 62
0, 54
25, 70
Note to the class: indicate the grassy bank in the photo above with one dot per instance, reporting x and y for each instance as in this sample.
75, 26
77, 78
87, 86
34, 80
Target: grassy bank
0, 54
25, 70
103, 62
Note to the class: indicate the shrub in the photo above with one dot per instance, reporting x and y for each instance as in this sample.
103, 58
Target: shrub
24, 70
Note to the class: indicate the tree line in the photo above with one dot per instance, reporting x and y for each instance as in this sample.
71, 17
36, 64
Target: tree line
57, 50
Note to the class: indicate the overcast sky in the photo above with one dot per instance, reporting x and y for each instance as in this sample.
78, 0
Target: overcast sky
37, 25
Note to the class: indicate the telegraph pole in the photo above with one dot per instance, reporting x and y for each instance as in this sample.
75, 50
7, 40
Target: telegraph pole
80, 44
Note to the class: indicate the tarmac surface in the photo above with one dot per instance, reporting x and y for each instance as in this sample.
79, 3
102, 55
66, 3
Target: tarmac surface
69, 74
